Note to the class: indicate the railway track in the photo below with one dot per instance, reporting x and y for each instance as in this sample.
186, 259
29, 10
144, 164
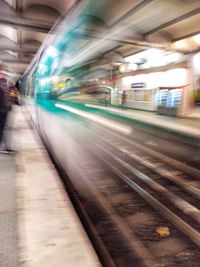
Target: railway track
143, 205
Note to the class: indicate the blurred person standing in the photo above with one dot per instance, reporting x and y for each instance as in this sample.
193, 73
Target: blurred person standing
5, 106
124, 100
107, 99
13, 94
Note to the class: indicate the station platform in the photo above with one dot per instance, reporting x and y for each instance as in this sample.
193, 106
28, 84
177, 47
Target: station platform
38, 224
188, 126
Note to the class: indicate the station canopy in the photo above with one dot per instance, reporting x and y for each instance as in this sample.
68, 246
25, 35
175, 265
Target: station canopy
151, 26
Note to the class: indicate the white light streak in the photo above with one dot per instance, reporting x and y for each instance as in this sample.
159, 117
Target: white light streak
98, 119
104, 108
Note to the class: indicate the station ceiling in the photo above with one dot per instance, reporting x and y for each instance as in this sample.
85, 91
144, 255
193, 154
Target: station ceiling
172, 24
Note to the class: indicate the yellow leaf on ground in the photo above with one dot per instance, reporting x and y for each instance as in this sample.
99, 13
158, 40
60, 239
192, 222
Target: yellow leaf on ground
163, 231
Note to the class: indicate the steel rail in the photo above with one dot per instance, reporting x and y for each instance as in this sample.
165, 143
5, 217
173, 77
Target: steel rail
181, 204
195, 192
184, 227
173, 162
135, 244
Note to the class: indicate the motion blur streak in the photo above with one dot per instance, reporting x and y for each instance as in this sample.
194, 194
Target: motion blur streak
110, 109
105, 122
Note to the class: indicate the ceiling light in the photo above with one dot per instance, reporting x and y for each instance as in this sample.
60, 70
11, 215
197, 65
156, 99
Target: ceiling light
196, 38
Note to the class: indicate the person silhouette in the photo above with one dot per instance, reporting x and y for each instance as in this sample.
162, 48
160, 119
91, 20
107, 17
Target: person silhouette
5, 106
107, 99
124, 100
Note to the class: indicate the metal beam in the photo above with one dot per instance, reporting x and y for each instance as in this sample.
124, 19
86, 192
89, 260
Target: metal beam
15, 65
13, 61
111, 50
185, 36
23, 50
133, 53
8, 5
155, 69
24, 24
120, 41
19, 6
132, 11
174, 21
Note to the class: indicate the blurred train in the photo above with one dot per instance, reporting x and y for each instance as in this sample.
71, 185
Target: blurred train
78, 65
71, 76
68, 74
70, 66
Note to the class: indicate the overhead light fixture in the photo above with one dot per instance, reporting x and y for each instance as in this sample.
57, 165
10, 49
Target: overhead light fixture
196, 38
51, 51
196, 62
182, 45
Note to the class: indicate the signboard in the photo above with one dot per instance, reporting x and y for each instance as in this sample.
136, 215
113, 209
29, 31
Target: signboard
138, 85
